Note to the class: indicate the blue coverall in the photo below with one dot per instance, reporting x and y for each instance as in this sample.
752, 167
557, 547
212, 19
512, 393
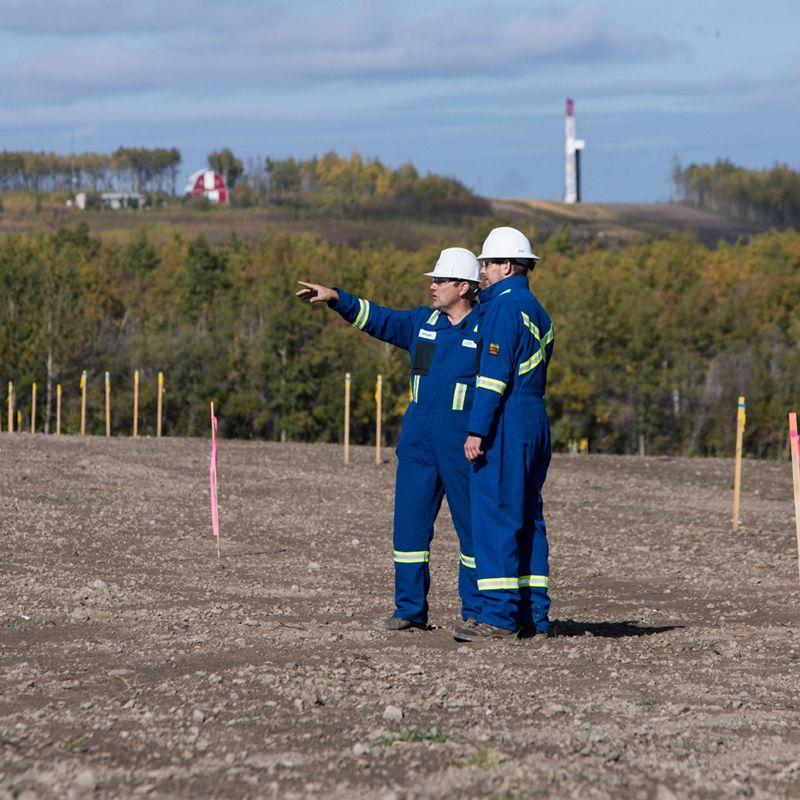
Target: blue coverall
511, 553
430, 454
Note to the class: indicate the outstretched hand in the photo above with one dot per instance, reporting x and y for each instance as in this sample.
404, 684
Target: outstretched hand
315, 293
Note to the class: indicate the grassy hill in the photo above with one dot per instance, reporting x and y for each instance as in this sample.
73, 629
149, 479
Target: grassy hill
609, 223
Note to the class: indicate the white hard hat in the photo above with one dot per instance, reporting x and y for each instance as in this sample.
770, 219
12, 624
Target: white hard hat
457, 263
507, 243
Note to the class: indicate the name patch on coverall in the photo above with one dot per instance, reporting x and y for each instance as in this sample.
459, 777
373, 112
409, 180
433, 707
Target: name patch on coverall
427, 334
469, 343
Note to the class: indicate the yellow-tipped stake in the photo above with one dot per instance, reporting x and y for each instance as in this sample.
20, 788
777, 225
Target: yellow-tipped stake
58, 409
160, 403
794, 443
347, 382
33, 408
378, 415
19, 421
136, 402
108, 405
84, 381
11, 406
741, 419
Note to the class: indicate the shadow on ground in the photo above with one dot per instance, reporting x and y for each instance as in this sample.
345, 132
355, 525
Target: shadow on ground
610, 630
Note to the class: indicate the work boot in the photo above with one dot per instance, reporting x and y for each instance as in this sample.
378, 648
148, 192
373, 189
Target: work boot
469, 622
395, 623
526, 632
479, 631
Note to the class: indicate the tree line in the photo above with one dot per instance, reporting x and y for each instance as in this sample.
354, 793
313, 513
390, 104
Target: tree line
770, 196
332, 184
326, 185
654, 339
126, 169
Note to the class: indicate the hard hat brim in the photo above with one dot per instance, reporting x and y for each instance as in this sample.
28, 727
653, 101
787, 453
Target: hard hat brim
531, 257
450, 277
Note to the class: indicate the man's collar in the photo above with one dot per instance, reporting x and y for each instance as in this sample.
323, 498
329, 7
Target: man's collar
442, 321
468, 320
496, 289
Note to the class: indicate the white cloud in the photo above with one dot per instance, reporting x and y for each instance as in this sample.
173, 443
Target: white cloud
65, 73
244, 45
87, 17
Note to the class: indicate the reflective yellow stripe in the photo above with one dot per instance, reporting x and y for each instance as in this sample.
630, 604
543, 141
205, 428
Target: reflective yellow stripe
489, 584
363, 314
415, 388
533, 329
468, 561
432, 318
475, 329
505, 292
534, 581
536, 358
533, 361
412, 556
459, 393
490, 383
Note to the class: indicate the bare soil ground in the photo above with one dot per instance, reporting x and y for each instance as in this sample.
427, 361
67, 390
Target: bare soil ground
135, 663
621, 223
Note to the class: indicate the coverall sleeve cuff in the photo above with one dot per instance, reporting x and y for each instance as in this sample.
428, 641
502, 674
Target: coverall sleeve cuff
479, 427
345, 304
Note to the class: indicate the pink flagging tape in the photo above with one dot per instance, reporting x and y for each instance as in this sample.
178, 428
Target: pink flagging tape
213, 480
796, 437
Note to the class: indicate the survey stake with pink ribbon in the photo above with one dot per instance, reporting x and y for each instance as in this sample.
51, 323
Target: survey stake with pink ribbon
213, 478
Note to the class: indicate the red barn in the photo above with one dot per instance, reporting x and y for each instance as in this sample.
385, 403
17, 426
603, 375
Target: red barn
207, 183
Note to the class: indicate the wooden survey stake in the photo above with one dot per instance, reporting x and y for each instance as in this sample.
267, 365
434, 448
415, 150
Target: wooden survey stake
378, 415
794, 443
11, 407
136, 402
58, 409
347, 382
741, 415
108, 405
83, 403
33, 408
160, 403
214, 483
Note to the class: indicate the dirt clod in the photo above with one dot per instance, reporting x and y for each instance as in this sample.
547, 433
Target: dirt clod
393, 714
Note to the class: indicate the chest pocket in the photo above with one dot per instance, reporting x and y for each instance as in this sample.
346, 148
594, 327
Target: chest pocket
423, 356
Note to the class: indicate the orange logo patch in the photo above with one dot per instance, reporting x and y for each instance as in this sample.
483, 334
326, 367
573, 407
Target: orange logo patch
494, 349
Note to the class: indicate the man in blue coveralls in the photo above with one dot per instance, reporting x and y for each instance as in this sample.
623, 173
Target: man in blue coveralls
509, 445
442, 345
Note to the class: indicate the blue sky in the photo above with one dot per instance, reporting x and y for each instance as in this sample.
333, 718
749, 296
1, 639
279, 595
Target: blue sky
471, 89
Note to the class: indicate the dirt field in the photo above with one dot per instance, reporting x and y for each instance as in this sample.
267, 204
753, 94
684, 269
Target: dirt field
622, 223
134, 663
